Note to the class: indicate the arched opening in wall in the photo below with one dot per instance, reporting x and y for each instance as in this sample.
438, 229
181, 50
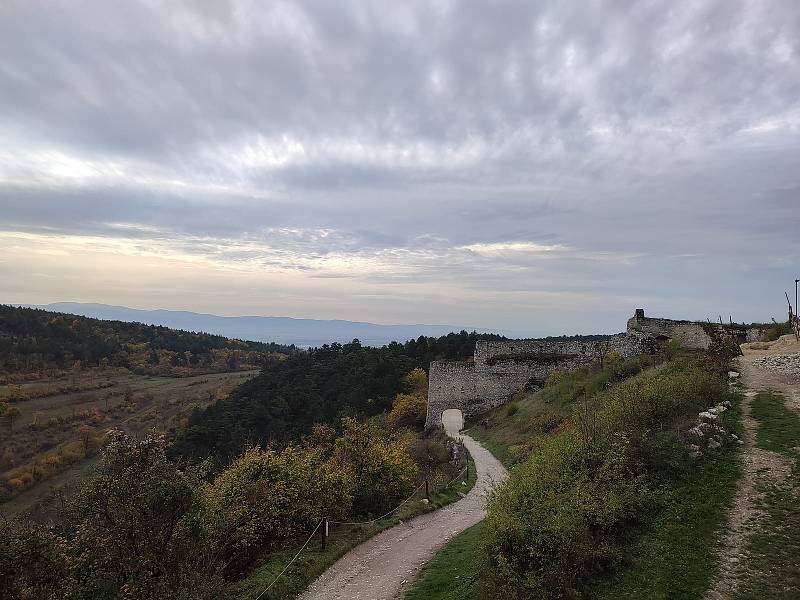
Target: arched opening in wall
453, 420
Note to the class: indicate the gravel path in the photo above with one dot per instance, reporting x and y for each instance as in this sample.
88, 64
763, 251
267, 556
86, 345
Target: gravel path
758, 466
386, 566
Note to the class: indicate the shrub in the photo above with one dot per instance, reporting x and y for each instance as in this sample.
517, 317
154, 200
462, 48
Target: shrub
410, 409
431, 453
775, 331
512, 409
380, 466
265, 498
555, 377
565, 512
553, 521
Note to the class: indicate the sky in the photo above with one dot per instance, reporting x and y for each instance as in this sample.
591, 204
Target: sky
541, 167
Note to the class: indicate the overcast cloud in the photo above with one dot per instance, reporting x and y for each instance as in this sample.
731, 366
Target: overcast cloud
544, 167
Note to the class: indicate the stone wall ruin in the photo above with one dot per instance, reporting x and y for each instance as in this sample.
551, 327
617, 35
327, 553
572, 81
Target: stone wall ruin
501, 368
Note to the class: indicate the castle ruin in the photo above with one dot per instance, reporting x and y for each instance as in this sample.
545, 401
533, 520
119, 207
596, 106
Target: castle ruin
501, 368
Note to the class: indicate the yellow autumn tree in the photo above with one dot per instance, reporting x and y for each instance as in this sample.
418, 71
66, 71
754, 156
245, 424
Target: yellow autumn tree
378, 464
410, 408
266, 497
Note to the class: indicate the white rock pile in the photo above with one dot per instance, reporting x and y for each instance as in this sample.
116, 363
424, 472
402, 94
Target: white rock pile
709, 433
788, 364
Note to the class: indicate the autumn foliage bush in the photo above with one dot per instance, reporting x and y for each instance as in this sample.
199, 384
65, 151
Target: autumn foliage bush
266, 497
563, 514
378, 464
410, 408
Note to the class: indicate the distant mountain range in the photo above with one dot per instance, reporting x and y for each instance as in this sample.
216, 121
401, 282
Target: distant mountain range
283, 330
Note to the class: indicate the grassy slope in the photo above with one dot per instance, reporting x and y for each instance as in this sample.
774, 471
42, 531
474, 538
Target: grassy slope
513, 427
669, 557
773, 569
314, 561
454, 573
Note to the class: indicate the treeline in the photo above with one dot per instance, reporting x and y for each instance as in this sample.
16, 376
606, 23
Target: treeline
34, 340
321, 385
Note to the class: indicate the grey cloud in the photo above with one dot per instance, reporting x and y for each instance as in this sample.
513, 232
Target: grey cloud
656, 142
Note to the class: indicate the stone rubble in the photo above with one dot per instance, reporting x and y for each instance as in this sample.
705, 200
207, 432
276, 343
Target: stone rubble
709, 434
788, 364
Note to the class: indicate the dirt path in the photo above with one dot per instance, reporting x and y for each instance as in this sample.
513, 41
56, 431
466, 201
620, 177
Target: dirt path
758, 466
385, 566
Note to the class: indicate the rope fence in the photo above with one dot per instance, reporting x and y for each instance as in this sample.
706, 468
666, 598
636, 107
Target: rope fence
324, 522
303, 547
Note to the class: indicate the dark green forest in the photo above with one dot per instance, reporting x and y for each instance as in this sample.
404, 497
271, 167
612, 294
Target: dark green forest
34, 340
321, 385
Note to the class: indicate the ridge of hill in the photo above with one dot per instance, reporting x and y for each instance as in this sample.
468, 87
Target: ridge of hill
35, 341
283, 330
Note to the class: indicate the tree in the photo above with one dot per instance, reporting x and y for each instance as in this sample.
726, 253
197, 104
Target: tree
33, 564
86, 433
136, 528
380, 466
265, 498
410, 409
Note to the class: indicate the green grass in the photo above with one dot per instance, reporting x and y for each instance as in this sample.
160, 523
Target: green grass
778, 427
511, 433
772, 566
453, 574
669, 555
314, 561
672, 556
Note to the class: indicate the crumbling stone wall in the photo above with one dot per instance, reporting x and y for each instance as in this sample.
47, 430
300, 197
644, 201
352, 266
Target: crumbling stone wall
690, 334
501, 368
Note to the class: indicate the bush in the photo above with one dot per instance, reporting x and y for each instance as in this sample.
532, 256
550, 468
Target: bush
566, 512
265, 498
775, 331
379, 466
553, 522
512, 409
410, 409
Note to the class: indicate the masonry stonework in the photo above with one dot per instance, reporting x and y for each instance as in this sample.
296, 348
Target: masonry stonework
500, 368
691, 334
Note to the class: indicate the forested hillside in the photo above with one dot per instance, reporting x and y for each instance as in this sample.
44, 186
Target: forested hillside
318, 386
35, 341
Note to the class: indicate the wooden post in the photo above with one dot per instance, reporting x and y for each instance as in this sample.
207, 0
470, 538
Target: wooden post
427, 495
324, 531
466, 472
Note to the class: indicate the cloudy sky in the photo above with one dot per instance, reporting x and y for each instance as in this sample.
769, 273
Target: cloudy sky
543, 167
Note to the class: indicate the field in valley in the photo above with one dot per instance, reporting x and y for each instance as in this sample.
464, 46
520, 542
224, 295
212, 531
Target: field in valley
61, 422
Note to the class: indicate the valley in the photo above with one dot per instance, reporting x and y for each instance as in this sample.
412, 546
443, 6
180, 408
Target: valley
62, 422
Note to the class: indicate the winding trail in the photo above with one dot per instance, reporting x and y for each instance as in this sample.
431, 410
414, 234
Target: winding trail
385, 566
